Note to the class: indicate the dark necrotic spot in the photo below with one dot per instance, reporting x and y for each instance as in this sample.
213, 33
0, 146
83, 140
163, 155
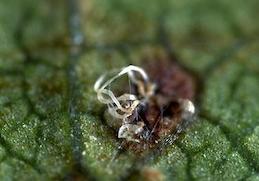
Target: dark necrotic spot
162, 114
171, 79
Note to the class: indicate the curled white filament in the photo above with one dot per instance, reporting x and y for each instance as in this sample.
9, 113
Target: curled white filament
116, 105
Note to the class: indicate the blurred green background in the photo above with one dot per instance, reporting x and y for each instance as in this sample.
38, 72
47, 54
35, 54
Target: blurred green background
51, 53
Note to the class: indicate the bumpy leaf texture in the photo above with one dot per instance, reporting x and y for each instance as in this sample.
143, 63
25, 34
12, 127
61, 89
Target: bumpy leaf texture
51, 52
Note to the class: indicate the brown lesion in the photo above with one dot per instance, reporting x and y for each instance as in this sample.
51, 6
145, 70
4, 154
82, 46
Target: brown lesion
162, 113
171, 79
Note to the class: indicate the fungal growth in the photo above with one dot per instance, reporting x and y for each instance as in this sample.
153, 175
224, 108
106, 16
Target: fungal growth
142, 116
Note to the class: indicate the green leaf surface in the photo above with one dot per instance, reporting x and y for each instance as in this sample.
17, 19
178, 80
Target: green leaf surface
53, 128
